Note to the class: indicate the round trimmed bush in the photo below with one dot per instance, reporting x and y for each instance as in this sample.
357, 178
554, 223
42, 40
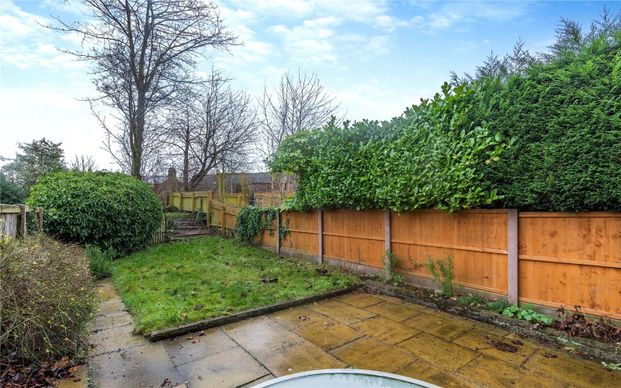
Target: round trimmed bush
110, 210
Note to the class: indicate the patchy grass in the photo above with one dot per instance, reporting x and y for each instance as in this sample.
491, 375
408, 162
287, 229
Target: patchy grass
176, 283
177, 215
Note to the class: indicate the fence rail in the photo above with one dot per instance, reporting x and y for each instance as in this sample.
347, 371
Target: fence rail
14, 220
551, 259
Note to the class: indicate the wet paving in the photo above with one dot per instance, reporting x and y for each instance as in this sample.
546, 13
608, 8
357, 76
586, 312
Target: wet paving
356, 330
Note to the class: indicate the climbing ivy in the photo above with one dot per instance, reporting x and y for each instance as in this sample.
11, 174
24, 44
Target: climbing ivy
252, 221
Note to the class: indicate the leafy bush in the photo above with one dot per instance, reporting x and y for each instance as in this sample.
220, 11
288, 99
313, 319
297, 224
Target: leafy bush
431, 157
46, 301
100, 262
108, 210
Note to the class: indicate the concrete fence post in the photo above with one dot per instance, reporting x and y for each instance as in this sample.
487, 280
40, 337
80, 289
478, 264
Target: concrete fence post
387, 236
23, 230
278, 232
320, 235
512, 257
40, 218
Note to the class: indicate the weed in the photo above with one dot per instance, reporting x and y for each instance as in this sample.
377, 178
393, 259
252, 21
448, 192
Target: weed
442, 272
497, 306
471, 300
100, 261
527, 314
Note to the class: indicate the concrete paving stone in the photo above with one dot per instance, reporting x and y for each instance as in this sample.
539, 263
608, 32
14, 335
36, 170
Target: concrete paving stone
110, 306
230, 368
192, 347
524, 349
260, 380
490, 372
111, 320
573, 371
298, 317
260, 336
477, 339
396, 311
106, 290
115, 339
300, 357
424, 371
391, 299
371, 353
359, 300
328, 335
446, 328
143, 366
385, 329
438, 352
341, 312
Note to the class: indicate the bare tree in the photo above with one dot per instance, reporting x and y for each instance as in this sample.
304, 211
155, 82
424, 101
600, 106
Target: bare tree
142, 51
211, 129
298, 103
83, 163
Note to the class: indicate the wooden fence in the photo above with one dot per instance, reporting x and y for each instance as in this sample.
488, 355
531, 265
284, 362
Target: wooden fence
14, 220
550, 259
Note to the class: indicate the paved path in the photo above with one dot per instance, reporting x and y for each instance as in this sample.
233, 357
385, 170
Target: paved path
356, 330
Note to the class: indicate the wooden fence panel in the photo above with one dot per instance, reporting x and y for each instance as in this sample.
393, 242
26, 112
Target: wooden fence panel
354, 236
302, 233
571, 259
476, 240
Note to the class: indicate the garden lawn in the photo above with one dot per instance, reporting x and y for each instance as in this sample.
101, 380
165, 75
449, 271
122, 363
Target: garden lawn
171, 284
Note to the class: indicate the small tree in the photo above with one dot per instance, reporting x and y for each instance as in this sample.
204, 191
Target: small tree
34, 160
83, 163
10, 193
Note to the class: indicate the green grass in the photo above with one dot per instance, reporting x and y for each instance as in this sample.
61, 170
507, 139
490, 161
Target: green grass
176, 283
176, 215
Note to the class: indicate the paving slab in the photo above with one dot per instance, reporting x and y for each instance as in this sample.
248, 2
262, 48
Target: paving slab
438, 352
260, 336
424, 371
398, 312
341, 312
114, 340
193, 347
298, 317
491, 372
572, 371
144, 366
303, 356
446, 328
360, 300
373, 354
328, 335
385, 329
231, 368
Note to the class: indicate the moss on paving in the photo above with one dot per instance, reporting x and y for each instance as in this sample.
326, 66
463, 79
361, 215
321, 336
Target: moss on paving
182, 282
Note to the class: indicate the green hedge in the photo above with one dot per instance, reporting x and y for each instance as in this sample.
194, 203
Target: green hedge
110, 210
564, 117
431, 157
548, 138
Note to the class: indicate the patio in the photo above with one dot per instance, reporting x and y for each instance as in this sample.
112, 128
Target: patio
355, 330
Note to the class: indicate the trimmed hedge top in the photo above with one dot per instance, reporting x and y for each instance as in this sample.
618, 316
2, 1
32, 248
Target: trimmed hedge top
109, 210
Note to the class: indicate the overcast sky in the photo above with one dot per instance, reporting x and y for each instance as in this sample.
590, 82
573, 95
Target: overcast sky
377, 57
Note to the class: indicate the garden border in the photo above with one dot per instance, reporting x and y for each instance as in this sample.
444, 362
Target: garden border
208, 323
584, 348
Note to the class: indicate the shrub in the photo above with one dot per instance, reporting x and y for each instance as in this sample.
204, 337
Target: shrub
431, 157
252, 221
108, 210
10, 193
100, 262
46, 301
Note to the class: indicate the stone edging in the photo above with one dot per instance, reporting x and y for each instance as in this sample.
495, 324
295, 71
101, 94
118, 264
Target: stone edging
584, 347
218, 321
